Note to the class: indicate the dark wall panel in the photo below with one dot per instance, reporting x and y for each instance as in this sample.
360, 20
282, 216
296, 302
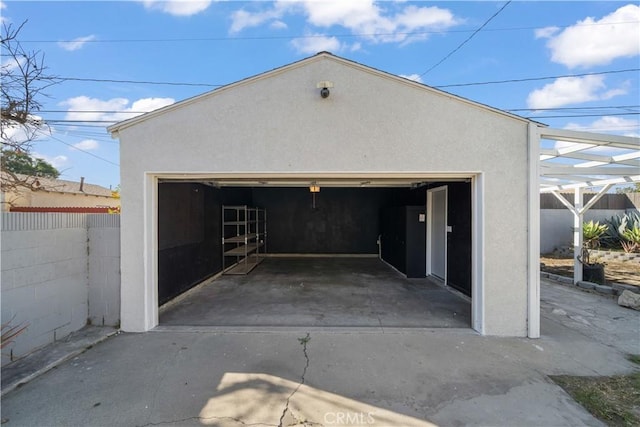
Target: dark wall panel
345, 220
459, 240
403, 238
188, 236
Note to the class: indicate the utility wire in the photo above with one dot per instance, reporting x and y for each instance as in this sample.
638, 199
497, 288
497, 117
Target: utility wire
79, 79
582, 115
601, 107
526, 79
79, 149
311, 36
467, 39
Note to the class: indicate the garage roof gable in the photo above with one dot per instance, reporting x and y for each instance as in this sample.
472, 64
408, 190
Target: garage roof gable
321, 56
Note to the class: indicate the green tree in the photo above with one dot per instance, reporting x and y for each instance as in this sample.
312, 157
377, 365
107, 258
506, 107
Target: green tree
18, 162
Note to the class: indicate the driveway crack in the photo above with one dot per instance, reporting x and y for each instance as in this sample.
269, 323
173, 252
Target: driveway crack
303, 341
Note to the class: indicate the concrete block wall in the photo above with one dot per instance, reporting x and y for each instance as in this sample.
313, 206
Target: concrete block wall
47, 275
104, 269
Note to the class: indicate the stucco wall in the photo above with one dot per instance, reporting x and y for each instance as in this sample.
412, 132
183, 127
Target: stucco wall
49, 281
556, 225
369, 123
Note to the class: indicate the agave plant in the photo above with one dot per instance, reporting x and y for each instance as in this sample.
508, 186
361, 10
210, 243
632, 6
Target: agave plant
618, 224
631, 242
592, 231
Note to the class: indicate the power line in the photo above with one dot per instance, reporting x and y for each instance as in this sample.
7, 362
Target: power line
467, 39
582, 115
527, 79
79, 149
573, 108
311, 36
79, 79
507, 109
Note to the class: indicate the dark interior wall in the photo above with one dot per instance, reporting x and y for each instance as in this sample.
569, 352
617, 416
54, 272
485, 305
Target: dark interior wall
188, 236
345, 220
459, 240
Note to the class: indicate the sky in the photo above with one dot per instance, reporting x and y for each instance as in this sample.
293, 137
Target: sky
572, 65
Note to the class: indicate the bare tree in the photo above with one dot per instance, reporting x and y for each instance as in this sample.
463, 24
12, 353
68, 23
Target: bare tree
23, 82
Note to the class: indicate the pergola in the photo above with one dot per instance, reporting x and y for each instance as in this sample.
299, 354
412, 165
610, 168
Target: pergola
572, 160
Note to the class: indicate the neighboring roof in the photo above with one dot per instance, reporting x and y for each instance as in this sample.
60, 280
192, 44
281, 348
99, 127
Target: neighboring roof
113, 129
67, 187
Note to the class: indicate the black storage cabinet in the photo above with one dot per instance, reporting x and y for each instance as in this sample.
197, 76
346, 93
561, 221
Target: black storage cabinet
403, 239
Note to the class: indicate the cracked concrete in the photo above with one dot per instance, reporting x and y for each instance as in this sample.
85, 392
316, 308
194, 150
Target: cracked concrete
399, 377
303, 341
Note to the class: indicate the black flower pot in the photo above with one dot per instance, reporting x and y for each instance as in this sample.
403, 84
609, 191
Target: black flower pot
593, 273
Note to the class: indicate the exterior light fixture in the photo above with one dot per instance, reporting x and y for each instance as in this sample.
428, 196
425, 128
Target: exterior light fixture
314, 188
324, 88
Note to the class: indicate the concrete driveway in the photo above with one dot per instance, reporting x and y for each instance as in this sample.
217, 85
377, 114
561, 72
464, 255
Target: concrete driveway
333, 377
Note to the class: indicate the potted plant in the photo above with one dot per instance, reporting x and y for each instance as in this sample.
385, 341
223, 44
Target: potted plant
592, 271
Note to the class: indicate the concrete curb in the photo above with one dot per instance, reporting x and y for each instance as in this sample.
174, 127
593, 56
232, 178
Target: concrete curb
35, 364
613, 290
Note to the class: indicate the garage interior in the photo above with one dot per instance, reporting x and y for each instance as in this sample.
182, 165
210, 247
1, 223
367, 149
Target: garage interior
348, 254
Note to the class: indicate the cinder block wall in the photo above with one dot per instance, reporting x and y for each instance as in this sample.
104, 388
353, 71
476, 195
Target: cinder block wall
104, 269
50, 280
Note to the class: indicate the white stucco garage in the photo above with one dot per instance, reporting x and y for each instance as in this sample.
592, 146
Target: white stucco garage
373, 131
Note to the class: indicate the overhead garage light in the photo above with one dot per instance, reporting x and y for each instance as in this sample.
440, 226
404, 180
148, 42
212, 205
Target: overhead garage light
314, 188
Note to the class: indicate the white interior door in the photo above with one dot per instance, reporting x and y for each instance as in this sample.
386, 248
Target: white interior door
437, 232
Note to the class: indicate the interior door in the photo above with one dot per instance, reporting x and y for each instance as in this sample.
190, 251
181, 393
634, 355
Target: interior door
437, 232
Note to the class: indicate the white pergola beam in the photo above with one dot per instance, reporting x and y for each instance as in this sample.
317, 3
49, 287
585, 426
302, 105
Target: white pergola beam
595, 183
597, 197
595, 170
581, 137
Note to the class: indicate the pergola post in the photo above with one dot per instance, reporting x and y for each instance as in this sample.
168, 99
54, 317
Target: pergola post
578, 215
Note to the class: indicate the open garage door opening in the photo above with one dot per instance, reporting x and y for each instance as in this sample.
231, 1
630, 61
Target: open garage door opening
383, 254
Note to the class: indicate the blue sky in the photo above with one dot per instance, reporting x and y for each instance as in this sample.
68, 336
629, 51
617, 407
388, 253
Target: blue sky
219, 42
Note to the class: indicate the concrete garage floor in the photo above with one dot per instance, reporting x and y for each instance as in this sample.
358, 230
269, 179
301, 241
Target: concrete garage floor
355, 292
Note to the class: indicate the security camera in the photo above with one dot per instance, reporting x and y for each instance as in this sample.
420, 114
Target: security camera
324, 88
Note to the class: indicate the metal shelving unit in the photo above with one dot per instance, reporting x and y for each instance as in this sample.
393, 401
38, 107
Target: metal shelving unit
244, 238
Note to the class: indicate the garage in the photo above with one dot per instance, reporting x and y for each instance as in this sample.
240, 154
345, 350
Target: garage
329, 255
377, 174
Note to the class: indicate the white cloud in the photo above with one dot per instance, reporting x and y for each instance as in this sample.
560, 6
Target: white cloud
572, 90
87, 145
84, 108
178, 7
57, 162
278, 25
597, 42
364, 17
545, 33
414, 77
76, 43
609, 124
317, 43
